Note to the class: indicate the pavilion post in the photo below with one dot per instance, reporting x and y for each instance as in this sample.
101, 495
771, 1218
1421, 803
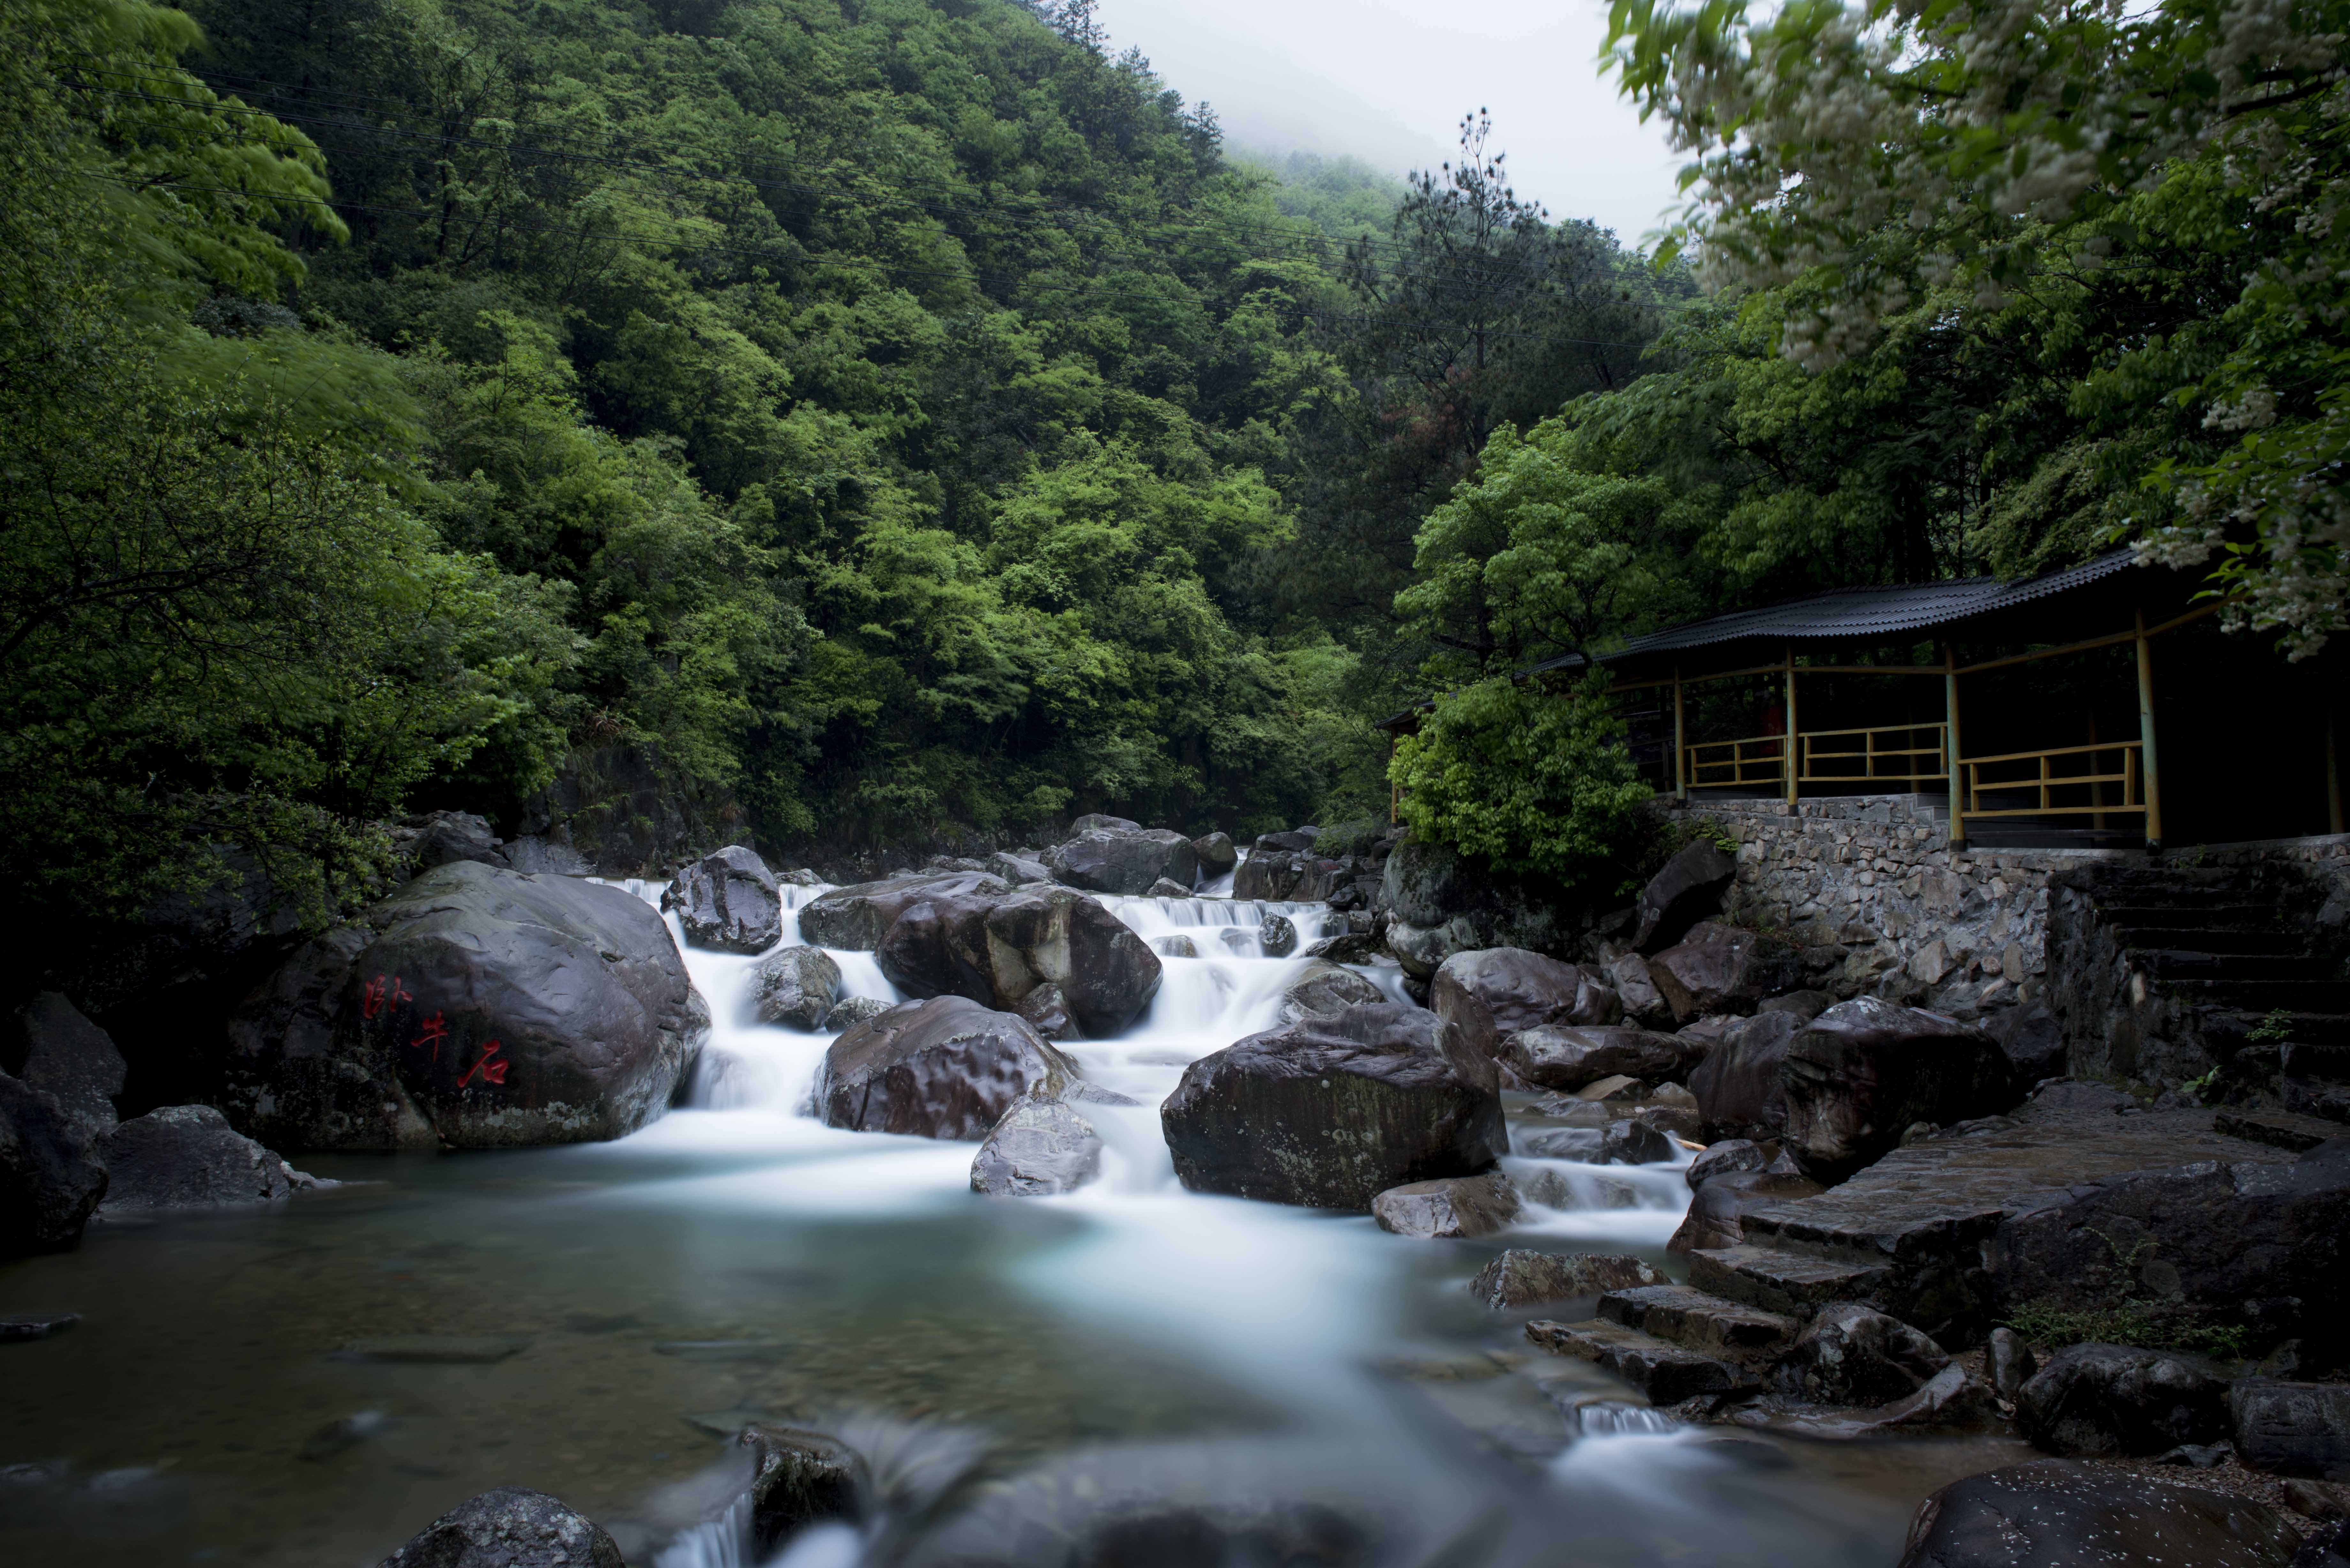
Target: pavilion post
1680, 744
1950, 746
2152, 776
1788, 751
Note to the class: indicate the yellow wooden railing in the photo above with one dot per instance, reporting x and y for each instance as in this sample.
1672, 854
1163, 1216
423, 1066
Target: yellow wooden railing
2038, 771
1868, 761
1756, 760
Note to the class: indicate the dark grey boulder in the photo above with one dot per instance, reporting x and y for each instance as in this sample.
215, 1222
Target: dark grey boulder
1638, 994
444, 837
1276, 937
1805, 1005
1739, 1090
938, 947
1017, 870
1168, 887
1859, 1074
1422, 949
1728, 1157
850, 1011
1448, 1208
1333, 1110
1687, 890
2292, 1428
476, 1007
68, 1055
1520, 1277
2096, 1400
1634, 1142
1563, 1057
945, 1068
2329, 1547
796, 987
799, 1478
1099, 822
1324, 988
50, 1182
1046, 1009
1719, 1207
1216, 854
2060, 1513
994, 946
1125, 860
1494, 992
727, 901
511, 1527
1277, 867
855, 918
1722, 969
2033, 1039
1851, 1355
185, 1156
1045, 1144
544, 857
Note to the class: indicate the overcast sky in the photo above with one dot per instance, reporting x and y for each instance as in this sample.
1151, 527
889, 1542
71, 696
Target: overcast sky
1388, 80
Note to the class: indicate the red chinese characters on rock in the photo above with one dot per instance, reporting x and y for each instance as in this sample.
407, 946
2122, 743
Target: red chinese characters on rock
489, 1069
433, 1031
378, 994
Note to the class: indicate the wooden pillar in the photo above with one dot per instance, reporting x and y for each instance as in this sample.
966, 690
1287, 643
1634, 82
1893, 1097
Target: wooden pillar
1951, 747
1788, 751
2333, 782
1680, 744
2153, 776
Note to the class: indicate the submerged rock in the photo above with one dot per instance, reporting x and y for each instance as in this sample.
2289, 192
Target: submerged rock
1450, 1207
51, 1181
2056, 1513
1045, 1144
2103, 1399
68, 1055
184, 1157
1333, 1110
511, 1527
476, 1007
1276, 937
727, 901
1860, 1074
1520, 1277
945, 1068
798, 987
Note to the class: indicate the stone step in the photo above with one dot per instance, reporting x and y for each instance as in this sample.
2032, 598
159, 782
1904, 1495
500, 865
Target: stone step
2133, 884
1793, 1283
2244, 939
1667, 1373
2196, 913
2278, 1129
2263, 996
2179, 963
2325, 1032
1699, 1321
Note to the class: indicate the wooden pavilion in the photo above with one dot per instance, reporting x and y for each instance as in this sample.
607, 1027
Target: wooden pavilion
2097, 705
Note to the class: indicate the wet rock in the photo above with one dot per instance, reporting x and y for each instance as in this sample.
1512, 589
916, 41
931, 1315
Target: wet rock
2321, 1500
945, 1068
2010, 1363
1333, 1110
799, 1478
1178, 946
1558, 1143
851, 1011
1634, 1142
727, 901
437, 1349
1805, 1005
336, 1438
1730, 1157
938, 946
1323, 989
444, 837
1561, 1056
1642, 1002
1520, 1277
185, 1156
1850, 1354
18, 1327
796, 987
2094, 1400
1448, 1207
1721, 968
1491, 994
1350, 948
1950, 1401
1737, 1081
68, 1056
1862, 1072
1168, 887
1678, 1121
1216, 854
1045, 1144
1687, 890
2292, 1428
2033, 1039
855, 918
511, 1527
1719, 1207
1107, 859
1422, 949
2329, 1548
2056, 1513
1049, 936
544, 857
1016, 870
476, 1007
1276, 937
49, 1180
1046, 1009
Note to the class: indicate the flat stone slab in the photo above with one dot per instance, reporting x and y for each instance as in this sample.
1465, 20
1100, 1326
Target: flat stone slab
1795, 1284
36, 1325
2279, 1129
444, 1349
1667, 1373
1699, 1321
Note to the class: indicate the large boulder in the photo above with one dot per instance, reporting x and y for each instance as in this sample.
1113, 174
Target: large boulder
511, 1527
1277, 864
1103, 859
1721, 968
996, 948
1323, 988
2060, 1513
1687, 890
1556, 1056
1739, 1089
855, 918
1216, 854
2101, 1400
945, 1068
442, 837
49, 1180
2292, 1428
186, 1156
476, 1007
1017, 870
68, 1055
2033, 1039
1046, 1143
798, 987
1331, 1111
1637, 993
1860, 1074
1491, 994
1852, 1354
1423, 950
728, 901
